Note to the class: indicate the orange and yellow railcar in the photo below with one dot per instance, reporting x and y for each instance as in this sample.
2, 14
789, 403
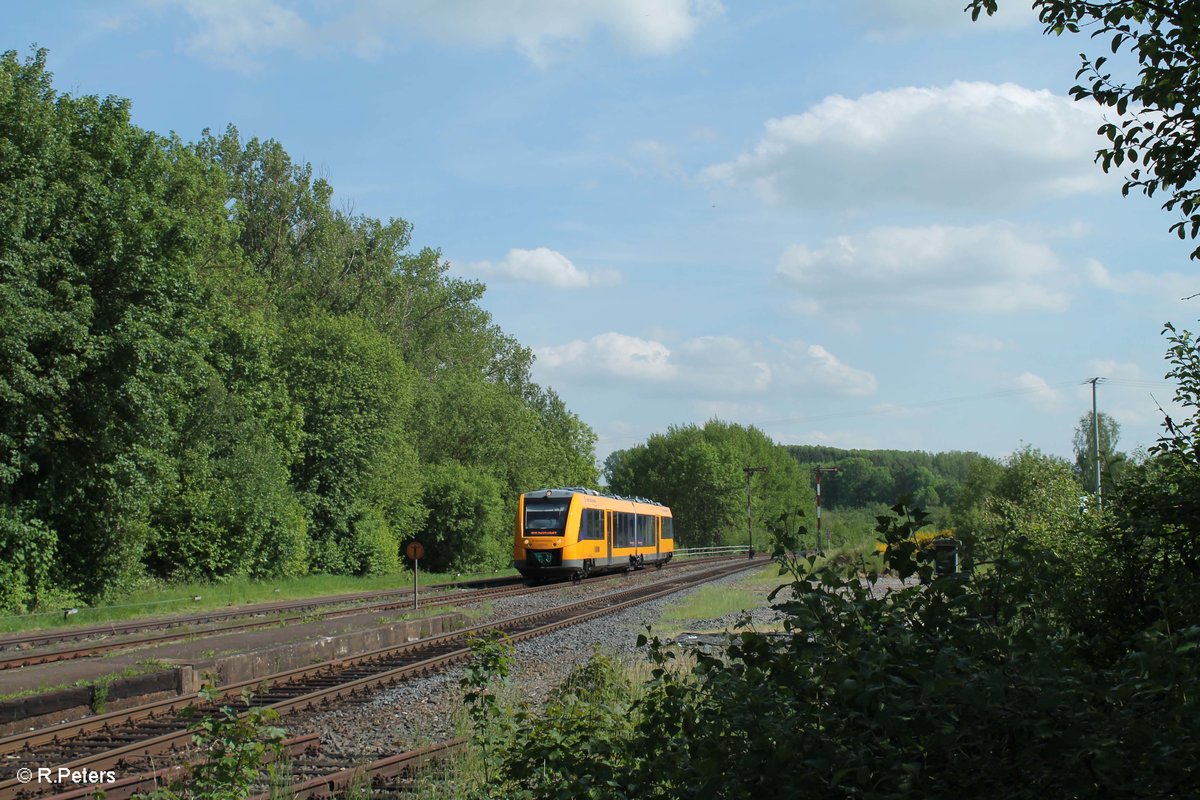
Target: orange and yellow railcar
576, 532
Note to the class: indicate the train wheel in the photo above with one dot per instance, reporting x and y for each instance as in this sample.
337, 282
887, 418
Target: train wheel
659, 564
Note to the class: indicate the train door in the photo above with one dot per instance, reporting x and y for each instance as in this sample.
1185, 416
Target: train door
608, 533
654, 522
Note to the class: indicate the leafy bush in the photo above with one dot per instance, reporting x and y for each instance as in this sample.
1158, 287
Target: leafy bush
465, 529
27, 550
971, 685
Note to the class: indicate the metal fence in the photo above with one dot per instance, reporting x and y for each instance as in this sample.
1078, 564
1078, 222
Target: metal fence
696, 552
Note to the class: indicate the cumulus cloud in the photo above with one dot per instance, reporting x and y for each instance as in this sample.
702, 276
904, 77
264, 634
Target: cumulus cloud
543, 266
233, 32
711, 366
1041, 394
993, 267
538, 29
611, 354
976, 145
1170, 286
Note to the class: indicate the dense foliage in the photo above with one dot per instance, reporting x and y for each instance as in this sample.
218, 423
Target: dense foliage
206, 370
986, 685
699, 473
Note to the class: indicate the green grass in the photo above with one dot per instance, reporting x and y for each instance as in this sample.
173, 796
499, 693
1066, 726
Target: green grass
714, 602
166, 600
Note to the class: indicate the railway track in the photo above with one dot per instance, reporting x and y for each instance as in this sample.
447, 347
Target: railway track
129, 740
43, 638
101, 639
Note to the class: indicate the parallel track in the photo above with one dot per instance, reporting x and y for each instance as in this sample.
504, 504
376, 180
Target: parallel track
126, 740
52, 636
176, 629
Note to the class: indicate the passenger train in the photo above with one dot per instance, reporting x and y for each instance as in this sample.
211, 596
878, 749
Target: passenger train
573, 533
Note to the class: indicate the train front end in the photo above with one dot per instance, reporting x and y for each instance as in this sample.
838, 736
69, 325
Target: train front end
547, 527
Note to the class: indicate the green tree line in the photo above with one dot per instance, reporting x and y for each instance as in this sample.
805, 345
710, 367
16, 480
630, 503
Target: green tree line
871, 477
207, 370
699, 472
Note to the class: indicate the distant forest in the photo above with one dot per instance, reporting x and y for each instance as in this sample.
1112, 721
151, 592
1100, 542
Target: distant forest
870, 477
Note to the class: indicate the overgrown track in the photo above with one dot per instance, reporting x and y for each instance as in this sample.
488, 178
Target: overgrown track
402, 595
394, 776
128, 740
270, 615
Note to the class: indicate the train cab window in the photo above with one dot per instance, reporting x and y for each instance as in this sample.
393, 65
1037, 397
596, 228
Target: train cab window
549, 516
668, 528
591, 524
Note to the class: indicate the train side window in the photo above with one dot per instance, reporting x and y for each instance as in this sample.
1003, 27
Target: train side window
624, 533
591, 524
644, 536
668, 528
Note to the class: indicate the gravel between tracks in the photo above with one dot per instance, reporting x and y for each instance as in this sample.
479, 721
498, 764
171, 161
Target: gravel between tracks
425, 710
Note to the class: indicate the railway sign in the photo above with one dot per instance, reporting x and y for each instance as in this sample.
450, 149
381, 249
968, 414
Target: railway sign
415, 552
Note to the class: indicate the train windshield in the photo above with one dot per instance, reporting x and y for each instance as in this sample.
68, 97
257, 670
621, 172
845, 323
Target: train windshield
546, 515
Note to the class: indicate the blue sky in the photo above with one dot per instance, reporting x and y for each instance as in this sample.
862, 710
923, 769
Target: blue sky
861, 223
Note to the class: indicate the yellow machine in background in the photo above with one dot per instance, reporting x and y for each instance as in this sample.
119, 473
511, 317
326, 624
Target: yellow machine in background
576, 532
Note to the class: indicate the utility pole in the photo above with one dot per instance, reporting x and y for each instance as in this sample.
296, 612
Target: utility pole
818, 472
1096, 439
749, 519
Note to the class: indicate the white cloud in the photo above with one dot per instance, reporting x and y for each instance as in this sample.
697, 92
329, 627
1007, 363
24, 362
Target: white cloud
723, 363
542, 266
234, 31
610, 354
826, 370
1170, 286
983, 268
712, 366
1041, 394
976, 145
1111, 368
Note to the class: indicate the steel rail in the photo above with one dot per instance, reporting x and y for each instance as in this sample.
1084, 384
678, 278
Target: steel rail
437, 601
391, 767
171, 634
518, 628
44, 637
146, 782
